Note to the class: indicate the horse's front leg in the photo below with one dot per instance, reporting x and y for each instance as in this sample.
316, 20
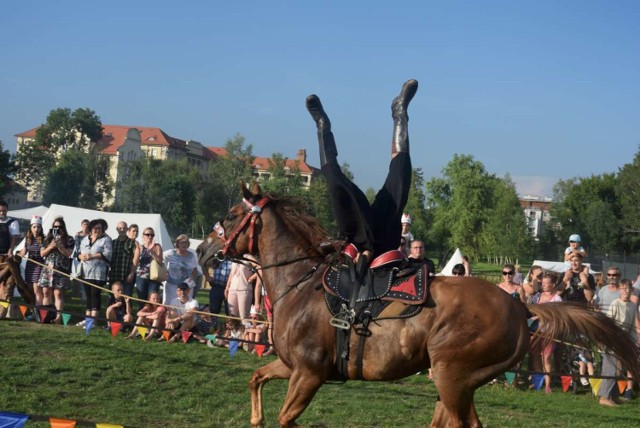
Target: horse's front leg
303, 385
274, 370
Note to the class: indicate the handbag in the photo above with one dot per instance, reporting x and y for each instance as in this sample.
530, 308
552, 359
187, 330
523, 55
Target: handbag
158, 271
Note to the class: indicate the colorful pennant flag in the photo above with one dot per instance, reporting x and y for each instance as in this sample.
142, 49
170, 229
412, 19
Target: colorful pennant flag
622, 385
595, 385
88, 325
62, 423
12, 420
259, 350
538, 381
115, 328
43, 314
211, 337
166, 334
566, 382
4, 304
23, 309
185, 336
143, 331
102, 425
66, 318
510, 377
233, 347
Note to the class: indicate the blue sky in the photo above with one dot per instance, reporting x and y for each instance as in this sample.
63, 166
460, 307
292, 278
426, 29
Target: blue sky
539, 90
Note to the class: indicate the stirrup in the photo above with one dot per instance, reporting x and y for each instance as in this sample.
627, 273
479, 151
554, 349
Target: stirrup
343, 319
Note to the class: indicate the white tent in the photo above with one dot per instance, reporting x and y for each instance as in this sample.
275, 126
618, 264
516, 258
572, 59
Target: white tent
74, 216
28, 213
455, 259
558, 267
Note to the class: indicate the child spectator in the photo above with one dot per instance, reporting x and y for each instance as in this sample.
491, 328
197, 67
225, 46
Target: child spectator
574, 245
532, 282
234, 330
119, 306
254, 330
151, 315
458, 270
623, 312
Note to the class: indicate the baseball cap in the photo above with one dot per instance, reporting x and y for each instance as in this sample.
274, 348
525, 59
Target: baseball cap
575, 238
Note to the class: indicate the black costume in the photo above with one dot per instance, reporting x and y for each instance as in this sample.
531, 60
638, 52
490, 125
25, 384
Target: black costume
375, 227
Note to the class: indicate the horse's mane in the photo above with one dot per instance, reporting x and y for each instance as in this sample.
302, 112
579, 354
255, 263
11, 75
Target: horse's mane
293, 211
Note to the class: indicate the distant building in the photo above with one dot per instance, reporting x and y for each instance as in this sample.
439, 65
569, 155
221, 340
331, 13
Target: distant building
536, 211
16, 196
127, 143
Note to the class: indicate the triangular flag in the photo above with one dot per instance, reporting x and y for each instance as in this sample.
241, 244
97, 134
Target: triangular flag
595, 385
166, 334
88, 325
43, 314
62, 423
233, 347
143, 331
510, 377
186, 335
211, 337
23, 309
12, 420
538, 380
259, 350
566, 382
622, 385
99, 425
4, 304
115, 328
66, 318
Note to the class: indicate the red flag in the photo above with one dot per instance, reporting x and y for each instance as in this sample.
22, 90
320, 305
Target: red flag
43, 314
185, 336
566, 382
115, 328
259, 350
61, 423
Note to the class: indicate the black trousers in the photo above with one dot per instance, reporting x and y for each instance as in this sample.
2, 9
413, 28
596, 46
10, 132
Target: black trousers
375, 227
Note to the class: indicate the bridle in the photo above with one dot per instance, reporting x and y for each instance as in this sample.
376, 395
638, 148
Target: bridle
249, 219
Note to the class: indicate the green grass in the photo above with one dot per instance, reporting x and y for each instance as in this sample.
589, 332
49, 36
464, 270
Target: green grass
59, 371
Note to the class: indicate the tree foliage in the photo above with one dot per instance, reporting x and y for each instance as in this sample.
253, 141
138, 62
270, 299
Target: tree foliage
6, 170
282, 181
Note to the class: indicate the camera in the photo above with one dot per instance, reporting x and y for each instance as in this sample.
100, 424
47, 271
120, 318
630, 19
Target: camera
56, 233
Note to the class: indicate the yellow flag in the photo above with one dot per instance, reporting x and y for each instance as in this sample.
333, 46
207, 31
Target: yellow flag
595, 385
98, 425
4, 304
143, 331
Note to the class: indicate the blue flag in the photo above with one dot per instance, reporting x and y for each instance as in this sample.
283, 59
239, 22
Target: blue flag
538, 380
88, 325
12, 420
233, 347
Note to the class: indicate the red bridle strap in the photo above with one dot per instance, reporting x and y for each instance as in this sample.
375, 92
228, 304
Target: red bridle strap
252, 215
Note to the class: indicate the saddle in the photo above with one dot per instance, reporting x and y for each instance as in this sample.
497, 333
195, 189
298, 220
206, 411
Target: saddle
391, 278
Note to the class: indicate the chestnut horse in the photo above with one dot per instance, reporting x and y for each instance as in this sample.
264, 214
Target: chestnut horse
468, 332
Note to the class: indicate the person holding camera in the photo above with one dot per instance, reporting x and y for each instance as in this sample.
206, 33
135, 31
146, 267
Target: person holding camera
31, 250
56, 251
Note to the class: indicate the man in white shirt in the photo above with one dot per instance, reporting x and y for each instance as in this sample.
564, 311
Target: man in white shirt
181, 316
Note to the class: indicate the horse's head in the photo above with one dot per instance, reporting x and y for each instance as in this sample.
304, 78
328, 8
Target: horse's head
236, 234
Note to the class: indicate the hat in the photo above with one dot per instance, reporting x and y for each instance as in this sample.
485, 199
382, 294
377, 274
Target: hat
575, 238
36, 219
101, 221
183, 286
406, 218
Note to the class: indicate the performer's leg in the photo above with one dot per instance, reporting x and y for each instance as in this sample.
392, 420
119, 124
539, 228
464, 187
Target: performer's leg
392, 198
350, 206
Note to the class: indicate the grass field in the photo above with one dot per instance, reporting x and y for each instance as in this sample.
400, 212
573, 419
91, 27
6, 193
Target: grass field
58, 371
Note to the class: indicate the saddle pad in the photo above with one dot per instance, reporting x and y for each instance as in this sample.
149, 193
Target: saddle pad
407, 285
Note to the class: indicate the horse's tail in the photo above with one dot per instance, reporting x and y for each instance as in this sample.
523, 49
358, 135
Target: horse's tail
571, 321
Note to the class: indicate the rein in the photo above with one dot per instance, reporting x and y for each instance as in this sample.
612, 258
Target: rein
252, 215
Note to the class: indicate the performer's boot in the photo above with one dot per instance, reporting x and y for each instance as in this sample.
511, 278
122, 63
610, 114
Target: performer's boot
328, 150
399, 107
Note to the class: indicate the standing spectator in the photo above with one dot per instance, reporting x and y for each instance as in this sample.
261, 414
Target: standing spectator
218, 283
624, 312
532, 282
416, 255
547, 295
239, 291
95, 256
579, 285
32, 246
79, 236
149, 250
405, 221
181, 313
57, 249
132, 232
608, 391
507, 285
467, 266
517, 278
9, 232
182, 266
124, 260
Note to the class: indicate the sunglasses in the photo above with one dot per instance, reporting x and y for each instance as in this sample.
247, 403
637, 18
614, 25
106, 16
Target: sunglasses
613, 275
149, 234
507, 272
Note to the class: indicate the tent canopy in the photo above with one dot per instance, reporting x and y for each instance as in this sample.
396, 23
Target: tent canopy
455, 259
28, 213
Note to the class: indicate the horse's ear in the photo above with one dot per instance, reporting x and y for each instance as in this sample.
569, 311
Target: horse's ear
256, 190
246, 193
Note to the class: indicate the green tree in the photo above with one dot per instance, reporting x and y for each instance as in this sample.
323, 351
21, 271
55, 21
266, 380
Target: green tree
416, 207
6, 170
628, 192
63, 130
227, 171
283, 182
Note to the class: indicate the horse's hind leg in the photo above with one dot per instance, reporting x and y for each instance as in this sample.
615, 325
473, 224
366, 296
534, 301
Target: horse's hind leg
303, 385
454, 407
274, 370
